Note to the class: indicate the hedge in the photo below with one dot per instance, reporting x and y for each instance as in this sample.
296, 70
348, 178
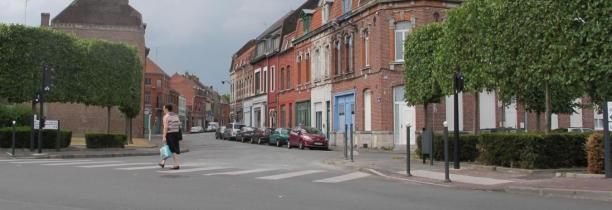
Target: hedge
468, 149
595, 153
19, 113
100, 140
533, 151
22, 138
518, 150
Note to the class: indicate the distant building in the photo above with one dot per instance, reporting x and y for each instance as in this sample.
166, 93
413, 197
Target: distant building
157, 93
112, 20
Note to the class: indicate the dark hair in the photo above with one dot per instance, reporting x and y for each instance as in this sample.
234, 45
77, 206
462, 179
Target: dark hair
168, 107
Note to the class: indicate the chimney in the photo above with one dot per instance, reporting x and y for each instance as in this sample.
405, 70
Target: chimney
44, 19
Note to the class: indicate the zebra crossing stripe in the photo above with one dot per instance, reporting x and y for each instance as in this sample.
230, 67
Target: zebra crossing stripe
155, 167
290, 175
115, 165
49, 161
343, 178
80, 163
18, 160
193, 170
241, 172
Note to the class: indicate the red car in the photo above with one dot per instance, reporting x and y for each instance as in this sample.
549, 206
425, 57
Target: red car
307, 137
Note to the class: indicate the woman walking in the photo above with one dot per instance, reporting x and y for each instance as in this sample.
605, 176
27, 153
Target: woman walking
171, 136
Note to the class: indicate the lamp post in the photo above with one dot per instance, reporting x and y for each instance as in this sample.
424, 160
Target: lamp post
446, 164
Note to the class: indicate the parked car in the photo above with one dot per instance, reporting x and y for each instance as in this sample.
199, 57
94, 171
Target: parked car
261, 136
219, 132
500, 130
196, 129
231, 130
246, 133
212, 127
307, 137
279, 137
579, 130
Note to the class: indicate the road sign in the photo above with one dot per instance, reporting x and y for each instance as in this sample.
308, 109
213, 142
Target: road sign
49, 125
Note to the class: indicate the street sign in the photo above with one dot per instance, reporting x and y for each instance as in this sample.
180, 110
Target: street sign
49, 125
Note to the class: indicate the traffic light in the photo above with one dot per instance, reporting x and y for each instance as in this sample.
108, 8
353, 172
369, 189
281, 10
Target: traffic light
48, 77
459, 82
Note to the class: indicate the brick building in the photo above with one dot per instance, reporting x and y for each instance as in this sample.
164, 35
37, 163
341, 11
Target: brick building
157, 93
189, 86
342, 64
112, 20
241, 80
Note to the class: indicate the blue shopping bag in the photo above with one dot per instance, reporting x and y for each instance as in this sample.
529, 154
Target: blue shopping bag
165, 152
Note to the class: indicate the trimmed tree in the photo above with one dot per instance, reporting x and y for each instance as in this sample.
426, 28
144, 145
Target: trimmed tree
420, 48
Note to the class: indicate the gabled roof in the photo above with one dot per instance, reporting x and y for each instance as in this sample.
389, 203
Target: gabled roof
153, 68
100, 12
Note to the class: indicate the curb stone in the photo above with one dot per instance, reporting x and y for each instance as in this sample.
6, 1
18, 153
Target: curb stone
545, 192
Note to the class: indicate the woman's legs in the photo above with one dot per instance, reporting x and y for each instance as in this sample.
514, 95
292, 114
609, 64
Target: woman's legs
177, 162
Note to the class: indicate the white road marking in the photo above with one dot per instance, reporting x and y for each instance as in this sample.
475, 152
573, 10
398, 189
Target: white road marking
290, 175
193, 170
155, 167
50, 161
20, 160
343, 178
241, 172
80, 163
115, 165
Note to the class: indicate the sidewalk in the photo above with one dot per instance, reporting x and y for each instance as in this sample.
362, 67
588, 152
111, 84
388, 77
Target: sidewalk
548, 183
77, 149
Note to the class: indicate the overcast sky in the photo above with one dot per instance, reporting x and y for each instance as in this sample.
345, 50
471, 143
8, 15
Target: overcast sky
198, 36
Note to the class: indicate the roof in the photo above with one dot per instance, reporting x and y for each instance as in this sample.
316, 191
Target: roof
100, 12
153, 68
274, 27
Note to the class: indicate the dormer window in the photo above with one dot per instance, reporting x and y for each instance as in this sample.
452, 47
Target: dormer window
307, 19
326, 7
346, 6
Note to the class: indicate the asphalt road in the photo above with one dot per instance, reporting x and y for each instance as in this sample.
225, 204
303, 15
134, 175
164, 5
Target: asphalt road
221, 175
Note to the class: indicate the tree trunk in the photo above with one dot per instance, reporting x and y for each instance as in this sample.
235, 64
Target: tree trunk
548, 107
108, 118
476, 128
539, 121
131, 141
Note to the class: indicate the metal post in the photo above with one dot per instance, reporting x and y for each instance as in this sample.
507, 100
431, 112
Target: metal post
607, 155
446, 163
33, 119
41, 124
431, 148
13, 143
408, 149
456, 124
346, 141
352, 160
57, 138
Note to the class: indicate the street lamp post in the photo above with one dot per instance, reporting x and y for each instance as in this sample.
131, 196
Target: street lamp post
446, 164
408, 126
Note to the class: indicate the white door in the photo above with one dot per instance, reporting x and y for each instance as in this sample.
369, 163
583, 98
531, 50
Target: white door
406, 114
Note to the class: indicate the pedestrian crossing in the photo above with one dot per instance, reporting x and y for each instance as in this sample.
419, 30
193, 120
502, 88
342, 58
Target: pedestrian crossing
263, 173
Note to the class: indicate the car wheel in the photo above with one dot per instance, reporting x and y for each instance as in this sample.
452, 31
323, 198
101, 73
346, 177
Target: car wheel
301, 146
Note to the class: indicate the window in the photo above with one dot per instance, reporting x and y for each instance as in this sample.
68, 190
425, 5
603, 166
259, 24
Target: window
346, 6
147, 81
288, 77
307, 21
366, 49
265, 81
147, 98
307, 68
282, 79
325, 13
283, 118
299, 66
159, 83
350, 59
257, 82
337, 59
317, 64
272, 79
401, 33
367, 106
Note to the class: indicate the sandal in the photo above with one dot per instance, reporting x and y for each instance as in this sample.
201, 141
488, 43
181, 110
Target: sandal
161, 165
175, 168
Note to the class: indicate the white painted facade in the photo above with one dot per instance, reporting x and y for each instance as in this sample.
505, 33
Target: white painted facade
450, 112
488, 116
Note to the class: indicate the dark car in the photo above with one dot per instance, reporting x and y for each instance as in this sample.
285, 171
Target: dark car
261, 136
307, 137
279, 137
246, 133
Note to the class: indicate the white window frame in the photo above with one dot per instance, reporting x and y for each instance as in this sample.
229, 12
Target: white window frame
272, 78
404, 34
366, 48
264, 77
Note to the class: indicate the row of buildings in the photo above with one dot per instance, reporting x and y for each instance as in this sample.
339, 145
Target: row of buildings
332, 63
118, 21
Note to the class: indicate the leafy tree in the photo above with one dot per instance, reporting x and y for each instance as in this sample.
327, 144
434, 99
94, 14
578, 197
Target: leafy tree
421, 86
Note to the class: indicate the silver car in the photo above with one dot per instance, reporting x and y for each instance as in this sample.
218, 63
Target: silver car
231, 130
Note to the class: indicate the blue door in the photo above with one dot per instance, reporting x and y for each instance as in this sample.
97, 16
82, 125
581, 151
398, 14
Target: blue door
344, 112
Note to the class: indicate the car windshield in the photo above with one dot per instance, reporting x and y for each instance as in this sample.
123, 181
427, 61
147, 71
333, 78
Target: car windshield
311, 130
239, 126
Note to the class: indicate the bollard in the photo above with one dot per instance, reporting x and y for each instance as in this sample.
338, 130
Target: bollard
346, 141
408, 125
352, 160
57, 138
13, 143
446, 163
